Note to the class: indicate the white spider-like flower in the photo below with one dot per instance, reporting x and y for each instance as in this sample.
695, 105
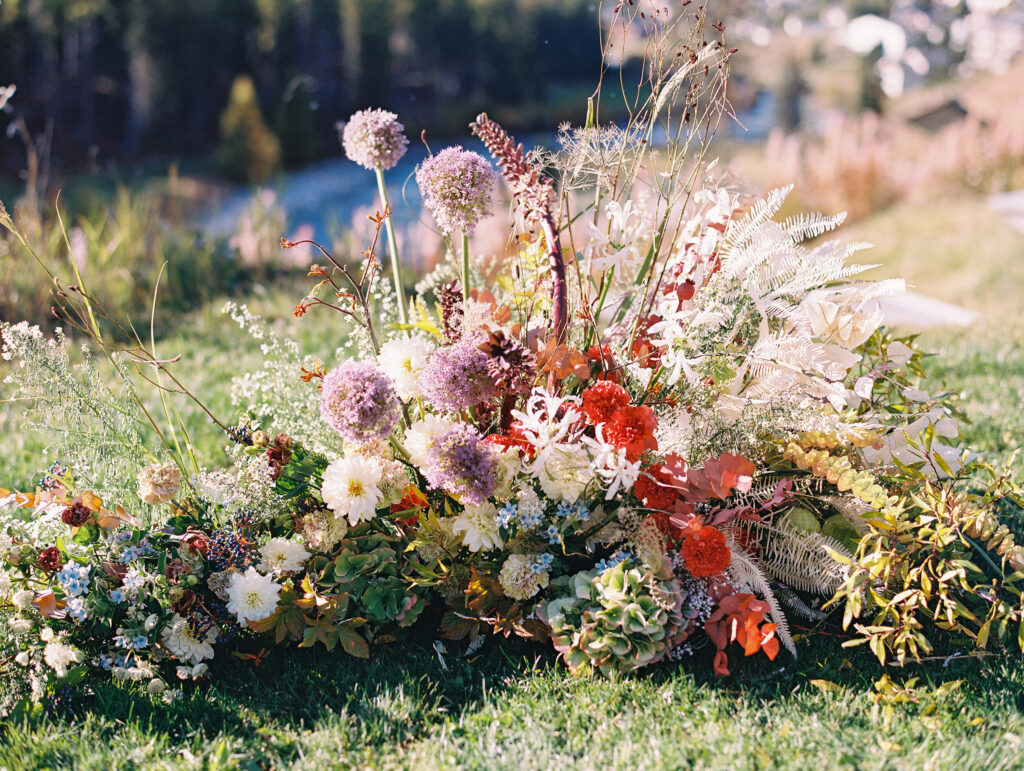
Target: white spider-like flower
549, 434
611, 465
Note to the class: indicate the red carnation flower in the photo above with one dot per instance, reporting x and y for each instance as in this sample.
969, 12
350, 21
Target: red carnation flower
632, 429
50, 559
76, 515
705, 552
604, 399
654, 488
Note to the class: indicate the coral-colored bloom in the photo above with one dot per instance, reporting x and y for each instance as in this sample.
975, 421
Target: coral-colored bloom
705, 552
602, 400
654, 488
738, 619
632, 429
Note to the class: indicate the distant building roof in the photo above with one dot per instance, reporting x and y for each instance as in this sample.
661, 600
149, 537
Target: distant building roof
937, 117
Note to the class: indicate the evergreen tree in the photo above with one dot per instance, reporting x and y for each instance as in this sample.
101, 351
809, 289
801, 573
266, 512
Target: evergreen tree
869, 93
249, 151
789, 97
296, 124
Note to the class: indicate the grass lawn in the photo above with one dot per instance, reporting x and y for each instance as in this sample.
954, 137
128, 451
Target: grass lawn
515, 707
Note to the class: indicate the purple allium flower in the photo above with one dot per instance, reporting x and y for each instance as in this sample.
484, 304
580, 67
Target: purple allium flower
456, 185
359, 402
455, 377
462, 464
374, 136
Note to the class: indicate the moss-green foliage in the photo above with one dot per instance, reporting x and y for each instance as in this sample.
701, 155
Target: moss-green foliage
249, 152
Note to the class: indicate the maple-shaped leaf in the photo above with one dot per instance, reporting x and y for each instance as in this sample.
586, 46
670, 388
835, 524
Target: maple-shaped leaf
264, 625
458, 627
353, 643
483, 593
562, 361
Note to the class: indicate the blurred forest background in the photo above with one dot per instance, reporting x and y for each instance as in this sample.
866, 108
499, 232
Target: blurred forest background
116, 80
182, 139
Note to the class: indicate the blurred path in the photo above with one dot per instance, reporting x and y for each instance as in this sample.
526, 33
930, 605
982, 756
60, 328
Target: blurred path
917, 311
1011, 207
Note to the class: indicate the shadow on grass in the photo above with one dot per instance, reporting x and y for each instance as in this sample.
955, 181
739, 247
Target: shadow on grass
404, 695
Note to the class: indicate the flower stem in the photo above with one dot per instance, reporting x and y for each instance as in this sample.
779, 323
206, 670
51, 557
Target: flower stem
465, 265
396, 268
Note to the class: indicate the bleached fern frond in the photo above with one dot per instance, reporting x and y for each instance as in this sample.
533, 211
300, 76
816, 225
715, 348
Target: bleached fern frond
745, 574
760, 213
804, 226
801, 560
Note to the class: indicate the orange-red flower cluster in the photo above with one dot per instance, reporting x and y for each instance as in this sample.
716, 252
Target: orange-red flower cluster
704, 551
626, 426
738, 619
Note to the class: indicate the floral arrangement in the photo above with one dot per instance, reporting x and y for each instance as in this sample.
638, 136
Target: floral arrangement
666, 426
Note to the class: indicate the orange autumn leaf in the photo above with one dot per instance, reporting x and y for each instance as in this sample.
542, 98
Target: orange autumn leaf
48, 604
562, 361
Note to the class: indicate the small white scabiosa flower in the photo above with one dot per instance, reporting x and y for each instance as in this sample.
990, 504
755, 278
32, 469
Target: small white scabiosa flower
185, 644
478, 527
252, 596
59, 657
351, 488
422, 434
402, 360
281, 556
22, 599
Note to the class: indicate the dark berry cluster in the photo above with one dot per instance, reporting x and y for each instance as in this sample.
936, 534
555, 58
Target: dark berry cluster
51, 479
241, 435
230, 548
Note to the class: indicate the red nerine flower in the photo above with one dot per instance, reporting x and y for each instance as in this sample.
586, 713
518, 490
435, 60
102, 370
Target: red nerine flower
632, 429
602, 400
514, 438
705, 552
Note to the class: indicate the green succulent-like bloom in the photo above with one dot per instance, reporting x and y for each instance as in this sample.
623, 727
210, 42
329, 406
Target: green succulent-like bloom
616, 619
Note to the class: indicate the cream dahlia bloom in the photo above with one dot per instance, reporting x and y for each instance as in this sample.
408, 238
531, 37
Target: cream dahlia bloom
478, 528
402, 360
184, 644
281, 556
252, 596
351, 488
